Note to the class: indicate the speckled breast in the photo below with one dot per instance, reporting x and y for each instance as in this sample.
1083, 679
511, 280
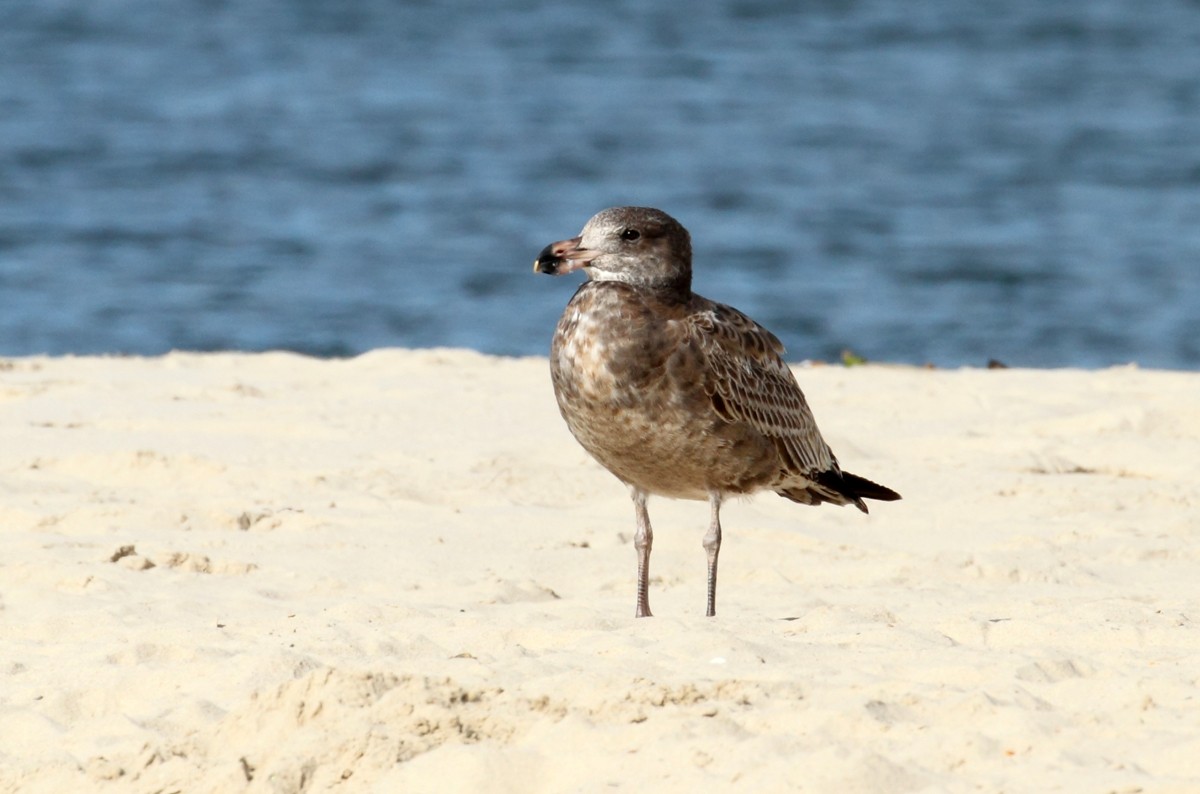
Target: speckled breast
631, 386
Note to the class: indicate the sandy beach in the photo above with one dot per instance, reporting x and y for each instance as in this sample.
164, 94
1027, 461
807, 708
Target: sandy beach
398, 572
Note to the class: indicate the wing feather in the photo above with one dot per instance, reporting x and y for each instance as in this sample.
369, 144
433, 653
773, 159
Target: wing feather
750, 382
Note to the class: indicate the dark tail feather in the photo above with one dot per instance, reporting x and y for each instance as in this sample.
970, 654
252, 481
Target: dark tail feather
850, 487
865, 489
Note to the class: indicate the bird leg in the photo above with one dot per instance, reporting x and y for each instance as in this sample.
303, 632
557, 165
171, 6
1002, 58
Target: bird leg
642, 541
712, 545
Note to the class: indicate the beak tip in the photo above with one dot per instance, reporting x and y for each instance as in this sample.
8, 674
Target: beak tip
562, 257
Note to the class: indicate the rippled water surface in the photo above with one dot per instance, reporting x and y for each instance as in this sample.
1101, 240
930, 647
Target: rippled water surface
930, 181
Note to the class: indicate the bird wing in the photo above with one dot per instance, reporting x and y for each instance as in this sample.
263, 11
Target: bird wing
749, 381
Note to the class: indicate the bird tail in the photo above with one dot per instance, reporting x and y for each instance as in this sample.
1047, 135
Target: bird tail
840, 488
863, 488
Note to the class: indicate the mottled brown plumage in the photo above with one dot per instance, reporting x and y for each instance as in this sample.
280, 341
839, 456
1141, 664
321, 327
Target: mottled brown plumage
675, 394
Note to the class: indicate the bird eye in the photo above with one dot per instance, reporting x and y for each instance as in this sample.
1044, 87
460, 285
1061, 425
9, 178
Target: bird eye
630, 234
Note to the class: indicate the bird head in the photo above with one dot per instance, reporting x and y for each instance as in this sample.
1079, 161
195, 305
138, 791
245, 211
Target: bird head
635, 245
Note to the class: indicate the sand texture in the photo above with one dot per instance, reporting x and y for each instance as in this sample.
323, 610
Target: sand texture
270, 573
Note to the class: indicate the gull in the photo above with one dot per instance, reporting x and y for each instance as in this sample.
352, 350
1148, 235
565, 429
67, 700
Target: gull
677, 395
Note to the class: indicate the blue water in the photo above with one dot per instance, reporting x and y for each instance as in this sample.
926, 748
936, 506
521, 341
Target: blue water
929, 181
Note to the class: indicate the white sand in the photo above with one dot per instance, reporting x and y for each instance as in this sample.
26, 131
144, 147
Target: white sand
399, 573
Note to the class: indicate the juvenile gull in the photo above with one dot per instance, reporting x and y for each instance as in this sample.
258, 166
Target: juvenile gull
675, 394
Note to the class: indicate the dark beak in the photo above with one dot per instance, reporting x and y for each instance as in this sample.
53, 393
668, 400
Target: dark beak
562, 257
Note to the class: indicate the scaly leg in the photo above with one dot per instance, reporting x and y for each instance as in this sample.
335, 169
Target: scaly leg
712, 545
642, 541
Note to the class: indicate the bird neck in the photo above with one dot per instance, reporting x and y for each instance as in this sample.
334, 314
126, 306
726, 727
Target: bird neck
676, 288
